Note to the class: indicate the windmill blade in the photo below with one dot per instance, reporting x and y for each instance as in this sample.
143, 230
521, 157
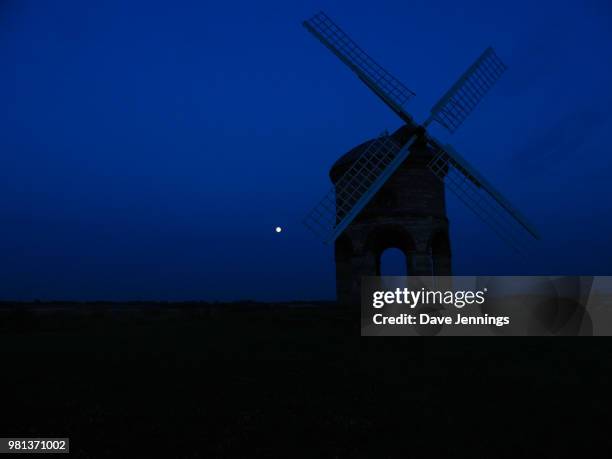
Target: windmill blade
384, 85
461, 99
356, 187
479, 195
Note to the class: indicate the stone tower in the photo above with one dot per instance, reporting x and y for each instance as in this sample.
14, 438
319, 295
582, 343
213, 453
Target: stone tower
407, 213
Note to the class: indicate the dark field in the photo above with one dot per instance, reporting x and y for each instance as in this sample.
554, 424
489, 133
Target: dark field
256, 380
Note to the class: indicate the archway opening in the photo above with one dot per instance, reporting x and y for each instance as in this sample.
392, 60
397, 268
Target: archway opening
393, 262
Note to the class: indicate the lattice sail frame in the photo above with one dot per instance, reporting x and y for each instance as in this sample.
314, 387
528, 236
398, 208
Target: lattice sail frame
356, 187
391, 90
344, 201
463, 97
480, 196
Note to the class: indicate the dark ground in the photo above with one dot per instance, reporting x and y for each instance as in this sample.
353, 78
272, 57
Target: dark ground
256, 380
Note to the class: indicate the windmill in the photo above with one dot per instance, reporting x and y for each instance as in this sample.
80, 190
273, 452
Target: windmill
367, 170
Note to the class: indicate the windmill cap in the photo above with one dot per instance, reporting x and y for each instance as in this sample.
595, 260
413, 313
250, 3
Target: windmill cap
400, 136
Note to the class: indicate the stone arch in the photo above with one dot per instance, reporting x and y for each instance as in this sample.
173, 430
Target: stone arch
393, 262
390, 237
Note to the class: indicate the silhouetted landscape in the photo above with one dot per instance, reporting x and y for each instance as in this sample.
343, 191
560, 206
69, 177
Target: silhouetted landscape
227, 380
269, 151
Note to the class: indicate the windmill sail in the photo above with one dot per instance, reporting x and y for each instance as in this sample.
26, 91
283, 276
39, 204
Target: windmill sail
356, 187
384, 85
461, 99
373, 168
480, 196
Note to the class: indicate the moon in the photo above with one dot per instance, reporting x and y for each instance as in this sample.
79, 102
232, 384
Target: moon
278, 229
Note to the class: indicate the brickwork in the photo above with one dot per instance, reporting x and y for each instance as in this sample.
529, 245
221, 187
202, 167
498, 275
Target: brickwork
408, 213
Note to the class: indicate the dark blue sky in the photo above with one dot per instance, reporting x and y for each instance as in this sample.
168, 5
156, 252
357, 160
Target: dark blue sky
148, 149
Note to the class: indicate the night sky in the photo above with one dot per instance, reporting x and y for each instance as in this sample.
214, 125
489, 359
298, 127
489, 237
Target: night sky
149, 149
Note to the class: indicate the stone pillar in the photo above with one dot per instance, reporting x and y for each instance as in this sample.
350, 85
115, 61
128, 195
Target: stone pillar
343, 254
442, 265
348, 278
421, 264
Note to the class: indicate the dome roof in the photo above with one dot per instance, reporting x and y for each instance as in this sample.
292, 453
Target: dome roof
400, 136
